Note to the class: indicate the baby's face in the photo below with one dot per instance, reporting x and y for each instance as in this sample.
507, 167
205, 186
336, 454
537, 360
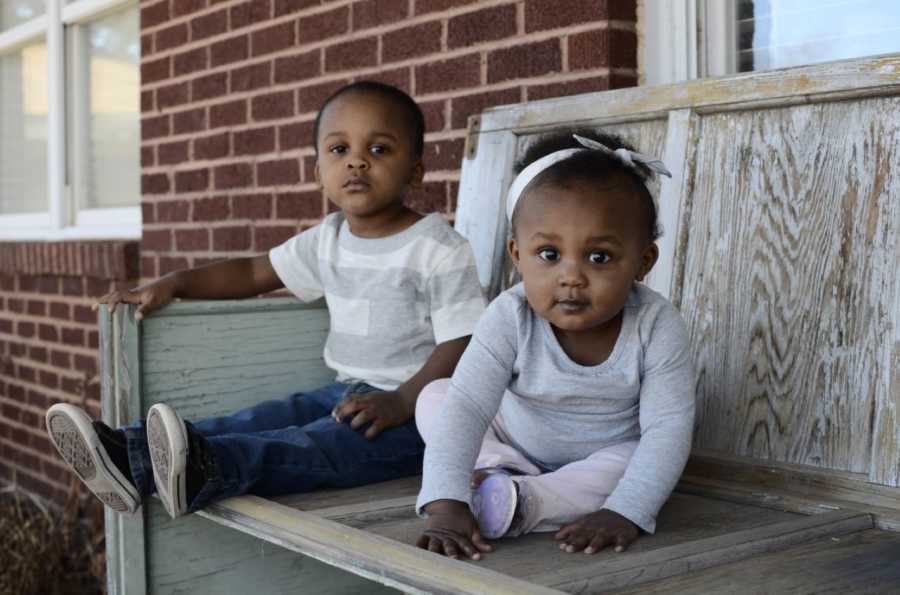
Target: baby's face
579, 250
366, 158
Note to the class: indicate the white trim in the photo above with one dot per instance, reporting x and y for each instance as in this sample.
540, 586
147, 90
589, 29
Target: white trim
23, 34
9, 223
668, 49
88, 10
718, 38
56, 118
124, 218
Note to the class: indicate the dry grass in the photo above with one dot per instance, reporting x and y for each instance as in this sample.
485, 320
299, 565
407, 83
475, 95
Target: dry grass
48, 551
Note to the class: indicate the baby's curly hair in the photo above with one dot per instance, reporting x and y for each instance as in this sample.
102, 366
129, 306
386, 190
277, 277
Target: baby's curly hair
590, 166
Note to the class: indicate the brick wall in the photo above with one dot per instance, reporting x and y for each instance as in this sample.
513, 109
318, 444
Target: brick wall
48, 346
230, 90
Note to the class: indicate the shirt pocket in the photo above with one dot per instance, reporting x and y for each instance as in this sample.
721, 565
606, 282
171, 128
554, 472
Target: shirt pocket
349, 316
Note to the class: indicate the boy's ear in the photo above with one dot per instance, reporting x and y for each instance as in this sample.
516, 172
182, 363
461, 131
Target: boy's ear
648, 259
418, 174
316, 174
512, 248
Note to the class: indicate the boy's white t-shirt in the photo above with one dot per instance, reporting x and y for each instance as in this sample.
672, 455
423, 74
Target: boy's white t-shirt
391, 300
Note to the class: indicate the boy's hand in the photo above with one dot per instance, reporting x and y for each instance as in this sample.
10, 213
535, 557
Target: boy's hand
150, 297
594, 531
383, 408
450, 528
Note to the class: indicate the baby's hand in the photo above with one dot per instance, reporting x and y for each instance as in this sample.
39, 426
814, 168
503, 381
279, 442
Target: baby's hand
594, 531
149, 297
384, 409
450, 528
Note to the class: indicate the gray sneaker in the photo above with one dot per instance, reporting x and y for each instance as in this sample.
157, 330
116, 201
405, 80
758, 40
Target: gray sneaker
168, 443
74, 435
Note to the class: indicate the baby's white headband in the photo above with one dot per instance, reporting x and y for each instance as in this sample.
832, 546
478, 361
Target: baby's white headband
630, 159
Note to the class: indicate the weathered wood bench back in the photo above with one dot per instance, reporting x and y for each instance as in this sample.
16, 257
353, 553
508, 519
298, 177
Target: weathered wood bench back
782, 242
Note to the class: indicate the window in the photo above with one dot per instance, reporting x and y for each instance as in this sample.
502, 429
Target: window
685, 39
69, 119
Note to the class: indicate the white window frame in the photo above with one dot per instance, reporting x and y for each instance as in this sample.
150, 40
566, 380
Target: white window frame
63, 220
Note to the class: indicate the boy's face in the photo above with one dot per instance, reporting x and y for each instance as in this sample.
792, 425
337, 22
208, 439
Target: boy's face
579, 249
365, 155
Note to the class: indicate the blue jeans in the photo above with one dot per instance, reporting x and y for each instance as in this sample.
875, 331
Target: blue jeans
290, 445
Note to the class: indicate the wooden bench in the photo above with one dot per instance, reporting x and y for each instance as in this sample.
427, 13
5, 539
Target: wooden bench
782, 241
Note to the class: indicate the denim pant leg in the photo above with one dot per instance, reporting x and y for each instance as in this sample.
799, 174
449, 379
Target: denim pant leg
297, 409
323, 453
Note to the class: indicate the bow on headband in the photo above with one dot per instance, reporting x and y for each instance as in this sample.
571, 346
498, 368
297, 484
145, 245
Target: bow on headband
630, 159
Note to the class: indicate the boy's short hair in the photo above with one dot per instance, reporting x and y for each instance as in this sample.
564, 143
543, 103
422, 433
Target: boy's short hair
412, 112
591, 166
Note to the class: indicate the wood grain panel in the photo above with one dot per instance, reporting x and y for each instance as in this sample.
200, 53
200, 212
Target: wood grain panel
790, 282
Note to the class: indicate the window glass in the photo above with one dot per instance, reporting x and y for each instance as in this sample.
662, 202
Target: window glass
781, 33
23, 130
104, 127
16, 12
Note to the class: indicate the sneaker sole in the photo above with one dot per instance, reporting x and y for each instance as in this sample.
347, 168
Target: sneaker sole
72, 432
494, 505
167, 441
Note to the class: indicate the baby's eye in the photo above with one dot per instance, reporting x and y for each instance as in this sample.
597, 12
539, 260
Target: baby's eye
337, 149
378, 149
599, 257
548, 254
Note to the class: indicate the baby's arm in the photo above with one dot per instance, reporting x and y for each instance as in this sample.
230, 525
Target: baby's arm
228, 279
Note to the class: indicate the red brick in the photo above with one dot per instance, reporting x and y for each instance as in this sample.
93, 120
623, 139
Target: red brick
192, 180
146, 44
524, 61
371, 13
168, 264
322, 25
444, 155
227, 239
576, 87
173, 211
254, 141
211, 209
73, 286
273, 39
233, 175
434, 114
154, 14
15, 305
154, 184
411, 42
61, 311
278, 172
214, 146
298, 67
470, 105
425, 6
622, 48
172, 95
156, 70
230, 50
311, 98
283, 7
623, 10
148, 267
251, 77
49, 380
448, 75
541, 15
309, 168
432, 197
191, 240
96, 287
207, 87
480, 26
190, 120
251, 206
210, 24
183, 7
249, 13
231, 113
148, 101
26, 373
73, 336
294, 136
589, 50
171, 37
148, 212
84, 314
266, 238
170, 153
396, 77
37, 308
148, 156
621, 81
47, 332
359, 53
155, 127
38, 354
272, 105
299, 205
190, 61
6, 326
48, 284
156, 240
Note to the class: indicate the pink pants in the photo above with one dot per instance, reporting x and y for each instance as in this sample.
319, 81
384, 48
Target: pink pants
555, 498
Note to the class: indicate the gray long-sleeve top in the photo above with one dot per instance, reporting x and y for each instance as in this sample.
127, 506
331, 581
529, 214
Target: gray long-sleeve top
557, 411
